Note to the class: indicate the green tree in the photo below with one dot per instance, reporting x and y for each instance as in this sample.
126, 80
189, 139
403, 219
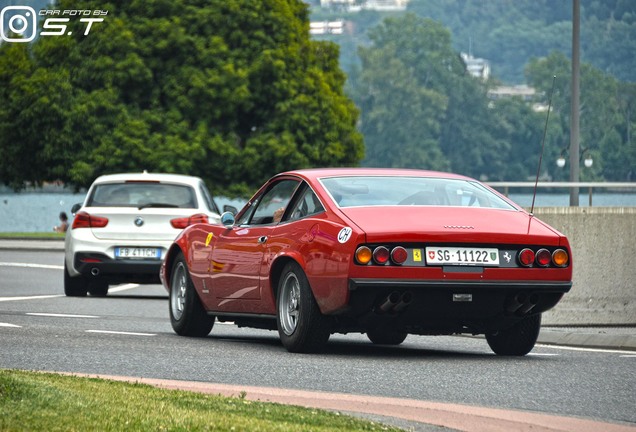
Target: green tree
232, 91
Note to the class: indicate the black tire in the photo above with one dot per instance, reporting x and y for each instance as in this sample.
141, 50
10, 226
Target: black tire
380, 336
301, 326
187, 315
74, 286
517, 340
98, 288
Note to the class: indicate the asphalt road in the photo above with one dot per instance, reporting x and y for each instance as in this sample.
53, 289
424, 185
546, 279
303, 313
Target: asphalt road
129, 333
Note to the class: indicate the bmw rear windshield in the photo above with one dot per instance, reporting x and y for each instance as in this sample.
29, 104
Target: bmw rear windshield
142, 194
363, 191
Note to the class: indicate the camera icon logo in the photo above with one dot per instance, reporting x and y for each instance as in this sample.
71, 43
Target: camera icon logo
21, 21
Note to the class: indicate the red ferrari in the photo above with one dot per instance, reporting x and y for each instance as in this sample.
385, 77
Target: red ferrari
386, 252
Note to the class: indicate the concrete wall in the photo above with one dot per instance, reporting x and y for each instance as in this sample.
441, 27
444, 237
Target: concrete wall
603, 241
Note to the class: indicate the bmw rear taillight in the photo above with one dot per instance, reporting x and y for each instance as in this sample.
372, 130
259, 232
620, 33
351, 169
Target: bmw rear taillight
85, 220
181, 223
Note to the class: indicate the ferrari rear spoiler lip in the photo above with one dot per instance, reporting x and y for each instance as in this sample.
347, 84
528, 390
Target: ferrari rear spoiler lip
545, 286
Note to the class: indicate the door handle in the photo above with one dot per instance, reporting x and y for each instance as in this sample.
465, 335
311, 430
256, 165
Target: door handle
262, 239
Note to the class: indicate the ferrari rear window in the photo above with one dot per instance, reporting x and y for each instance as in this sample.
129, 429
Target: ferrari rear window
361, 191
142, 194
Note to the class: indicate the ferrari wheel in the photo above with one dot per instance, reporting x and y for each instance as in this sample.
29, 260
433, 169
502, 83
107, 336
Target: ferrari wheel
74, 286
187, 316
382, 336
301, 325
517, 340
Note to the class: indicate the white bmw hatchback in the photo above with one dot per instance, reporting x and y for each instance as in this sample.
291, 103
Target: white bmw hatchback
122, 231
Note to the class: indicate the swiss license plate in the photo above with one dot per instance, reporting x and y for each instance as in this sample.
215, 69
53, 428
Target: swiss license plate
137, 252
462, 256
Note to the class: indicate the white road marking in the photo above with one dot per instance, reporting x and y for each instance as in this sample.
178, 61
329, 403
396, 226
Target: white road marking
57, 315
598, 350
121, 333
30, 265
30, 297
542, 355
121, 288
628, 356
9, 325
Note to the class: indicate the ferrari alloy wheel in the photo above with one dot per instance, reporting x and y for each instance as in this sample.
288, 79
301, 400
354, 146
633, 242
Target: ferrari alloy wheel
381, 336
74, 286
187, 316
301, 325
517, 340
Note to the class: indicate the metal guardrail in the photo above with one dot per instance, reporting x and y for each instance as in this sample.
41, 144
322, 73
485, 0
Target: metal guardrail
568, 185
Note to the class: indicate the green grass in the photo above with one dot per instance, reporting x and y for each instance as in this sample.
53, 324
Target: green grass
32, 401
31, 235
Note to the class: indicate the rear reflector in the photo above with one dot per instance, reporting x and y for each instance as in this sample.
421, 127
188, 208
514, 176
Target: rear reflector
399, 255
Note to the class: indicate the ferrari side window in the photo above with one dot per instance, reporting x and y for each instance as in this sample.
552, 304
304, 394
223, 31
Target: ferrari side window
272, 204
307, 204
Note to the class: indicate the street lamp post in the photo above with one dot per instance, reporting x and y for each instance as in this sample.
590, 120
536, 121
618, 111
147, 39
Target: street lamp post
574, 113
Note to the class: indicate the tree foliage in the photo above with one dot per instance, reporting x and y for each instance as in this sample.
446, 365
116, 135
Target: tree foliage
232, 91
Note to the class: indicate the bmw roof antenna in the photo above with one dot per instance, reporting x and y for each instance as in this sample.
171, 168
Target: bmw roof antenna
545, 129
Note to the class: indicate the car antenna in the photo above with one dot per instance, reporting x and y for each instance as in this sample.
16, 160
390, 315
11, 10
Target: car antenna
545, 129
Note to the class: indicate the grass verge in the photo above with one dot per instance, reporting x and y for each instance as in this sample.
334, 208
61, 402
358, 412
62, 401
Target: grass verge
45, 401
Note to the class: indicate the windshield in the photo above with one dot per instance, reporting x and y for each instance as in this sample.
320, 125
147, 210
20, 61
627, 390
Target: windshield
142, 194
359, 191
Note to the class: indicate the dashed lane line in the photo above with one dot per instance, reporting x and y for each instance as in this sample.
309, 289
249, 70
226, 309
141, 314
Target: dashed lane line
59, 315
121, 333
31, 265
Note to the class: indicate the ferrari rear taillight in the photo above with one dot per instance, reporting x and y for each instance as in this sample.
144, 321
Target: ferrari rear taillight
183, 222
543, 258
526, 257
381, 255
85, 220
560, 258
399, 255
363, 255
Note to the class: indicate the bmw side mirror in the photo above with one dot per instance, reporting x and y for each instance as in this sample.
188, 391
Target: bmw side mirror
227, 219
75, 208
231, 209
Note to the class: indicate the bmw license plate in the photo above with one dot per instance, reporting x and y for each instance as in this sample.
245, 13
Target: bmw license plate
440, 255
137, 252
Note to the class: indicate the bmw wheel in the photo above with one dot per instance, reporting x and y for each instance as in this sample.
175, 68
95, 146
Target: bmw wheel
301, 325
517, 340
74, 286
187, 315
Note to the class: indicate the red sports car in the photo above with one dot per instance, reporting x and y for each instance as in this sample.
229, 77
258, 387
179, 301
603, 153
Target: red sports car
386, 252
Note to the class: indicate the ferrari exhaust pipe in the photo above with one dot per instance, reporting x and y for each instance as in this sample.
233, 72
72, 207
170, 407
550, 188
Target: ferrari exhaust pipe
390, 302
516, 302
95, 271
530, 303
405, 300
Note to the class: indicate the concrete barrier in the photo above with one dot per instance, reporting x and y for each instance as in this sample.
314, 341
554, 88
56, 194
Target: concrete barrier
603, 241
